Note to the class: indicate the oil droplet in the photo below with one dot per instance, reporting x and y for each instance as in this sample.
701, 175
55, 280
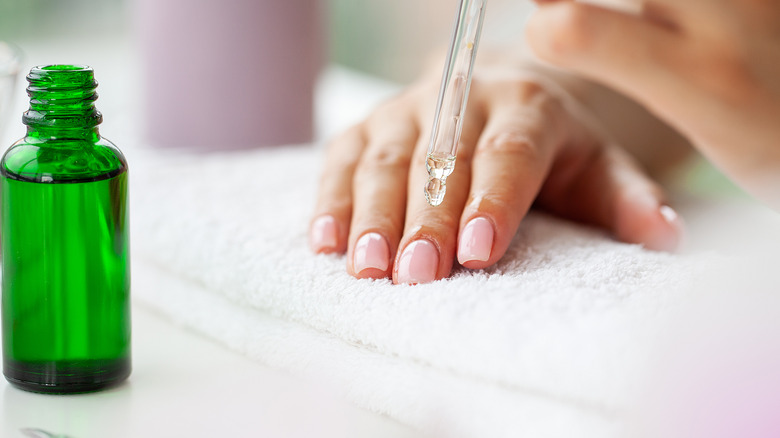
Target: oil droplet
435, 190
439, 168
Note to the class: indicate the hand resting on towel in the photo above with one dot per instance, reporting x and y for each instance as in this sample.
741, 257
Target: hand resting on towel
525, 141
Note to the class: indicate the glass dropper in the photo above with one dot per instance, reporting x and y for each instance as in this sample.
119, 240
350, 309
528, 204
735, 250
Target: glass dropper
453, 95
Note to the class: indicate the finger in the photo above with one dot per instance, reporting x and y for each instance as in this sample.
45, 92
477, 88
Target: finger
606, 187
630, 6
330, 224
427, 249
512, 159
626, 52
379, 190
665, 12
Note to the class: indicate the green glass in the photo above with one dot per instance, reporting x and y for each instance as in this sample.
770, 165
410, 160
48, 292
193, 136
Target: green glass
66, 277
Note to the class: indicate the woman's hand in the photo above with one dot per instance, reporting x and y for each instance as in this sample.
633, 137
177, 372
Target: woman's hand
520, 145
709, 68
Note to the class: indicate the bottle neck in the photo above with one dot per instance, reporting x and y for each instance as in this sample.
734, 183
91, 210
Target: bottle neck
62, 103
41, 134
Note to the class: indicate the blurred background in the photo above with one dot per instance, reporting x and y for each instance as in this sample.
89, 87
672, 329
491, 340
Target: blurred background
37, 19
140, 42
388, 40
402, 31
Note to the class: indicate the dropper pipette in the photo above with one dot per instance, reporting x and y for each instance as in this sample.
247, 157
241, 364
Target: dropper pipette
453, 95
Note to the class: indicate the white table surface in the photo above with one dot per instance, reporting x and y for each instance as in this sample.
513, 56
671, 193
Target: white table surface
185, 385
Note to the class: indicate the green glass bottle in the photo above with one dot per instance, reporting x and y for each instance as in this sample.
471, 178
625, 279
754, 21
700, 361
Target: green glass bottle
66, 277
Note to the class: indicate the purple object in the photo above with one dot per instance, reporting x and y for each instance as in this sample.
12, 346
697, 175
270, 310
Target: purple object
229, 74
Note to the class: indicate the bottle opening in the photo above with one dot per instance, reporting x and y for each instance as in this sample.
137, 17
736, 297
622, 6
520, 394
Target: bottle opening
58, 76
64, 67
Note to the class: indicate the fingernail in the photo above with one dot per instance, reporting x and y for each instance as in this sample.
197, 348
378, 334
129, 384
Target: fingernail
371, 251
476, 241
672, 239
669, 214
323, 234
418, 263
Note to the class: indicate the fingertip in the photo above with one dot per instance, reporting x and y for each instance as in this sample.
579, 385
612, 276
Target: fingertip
418, 263
672, 234
324, 235
657, 227
371, 256
475, 243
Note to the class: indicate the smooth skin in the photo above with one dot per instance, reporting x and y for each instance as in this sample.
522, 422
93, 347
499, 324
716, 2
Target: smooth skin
522, 144
710, 68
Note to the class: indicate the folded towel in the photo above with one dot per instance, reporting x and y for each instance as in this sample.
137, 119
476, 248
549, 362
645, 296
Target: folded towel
431, 400
552, 341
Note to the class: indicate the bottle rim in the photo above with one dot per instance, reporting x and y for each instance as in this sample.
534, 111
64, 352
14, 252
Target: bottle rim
63, 67
59, 75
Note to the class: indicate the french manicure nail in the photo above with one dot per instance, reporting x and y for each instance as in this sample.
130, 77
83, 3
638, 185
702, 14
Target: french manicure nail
323, 234
418, 263
476, 241
371, 251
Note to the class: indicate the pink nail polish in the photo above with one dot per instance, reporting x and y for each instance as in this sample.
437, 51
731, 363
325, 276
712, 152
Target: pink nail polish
371, 251
476, 241
418, 263
323, 236
669, 214
672, 238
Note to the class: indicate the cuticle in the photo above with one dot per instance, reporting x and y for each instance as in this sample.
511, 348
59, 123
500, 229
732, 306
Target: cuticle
427, 237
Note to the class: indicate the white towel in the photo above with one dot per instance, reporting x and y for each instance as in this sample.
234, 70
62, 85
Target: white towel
553, 341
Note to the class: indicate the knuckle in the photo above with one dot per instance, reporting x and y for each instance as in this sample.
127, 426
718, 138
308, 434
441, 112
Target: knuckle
391, 155
509, 145
438, 224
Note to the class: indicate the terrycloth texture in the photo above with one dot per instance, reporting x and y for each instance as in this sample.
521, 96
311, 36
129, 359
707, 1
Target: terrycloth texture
551, 342
432, 400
